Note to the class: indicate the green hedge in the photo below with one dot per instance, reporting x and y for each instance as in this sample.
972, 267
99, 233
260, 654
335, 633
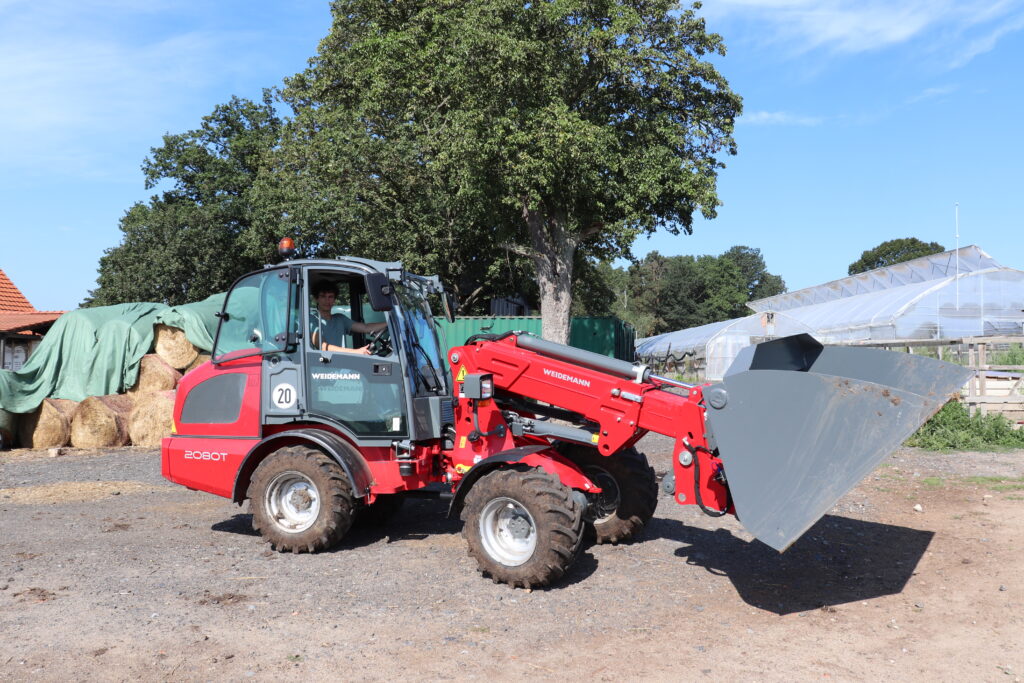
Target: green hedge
953, 429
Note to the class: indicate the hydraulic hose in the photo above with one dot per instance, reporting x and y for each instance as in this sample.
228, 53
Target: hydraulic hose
710, 512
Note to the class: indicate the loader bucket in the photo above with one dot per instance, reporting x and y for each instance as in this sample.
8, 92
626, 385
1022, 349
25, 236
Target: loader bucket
799, 424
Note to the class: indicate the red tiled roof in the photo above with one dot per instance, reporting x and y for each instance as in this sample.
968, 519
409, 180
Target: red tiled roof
36, 321
11, 298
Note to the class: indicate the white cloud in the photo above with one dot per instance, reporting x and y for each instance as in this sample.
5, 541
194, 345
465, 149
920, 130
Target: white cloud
852, 26
987, 42
779, 118
932, 93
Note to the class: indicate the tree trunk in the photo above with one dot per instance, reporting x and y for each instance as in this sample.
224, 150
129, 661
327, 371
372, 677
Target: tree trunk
553, 252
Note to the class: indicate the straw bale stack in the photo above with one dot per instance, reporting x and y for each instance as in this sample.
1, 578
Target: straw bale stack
8, 428
174, 347
155, 374
152, 418
48, 426
101, 422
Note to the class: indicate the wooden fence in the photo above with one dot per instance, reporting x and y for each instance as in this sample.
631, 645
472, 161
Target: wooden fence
994, 388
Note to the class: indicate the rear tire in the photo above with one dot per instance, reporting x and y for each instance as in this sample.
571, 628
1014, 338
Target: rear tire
629, 492
522, 527
301, 500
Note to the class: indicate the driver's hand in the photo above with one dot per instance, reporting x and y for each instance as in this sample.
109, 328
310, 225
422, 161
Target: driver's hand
364, 350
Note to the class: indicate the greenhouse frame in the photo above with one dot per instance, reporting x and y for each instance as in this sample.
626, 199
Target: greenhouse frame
961, 293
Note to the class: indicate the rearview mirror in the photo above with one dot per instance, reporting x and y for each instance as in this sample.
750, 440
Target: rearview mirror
378, 289
449, 306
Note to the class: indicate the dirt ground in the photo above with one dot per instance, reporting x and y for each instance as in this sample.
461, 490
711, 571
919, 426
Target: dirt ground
107, 572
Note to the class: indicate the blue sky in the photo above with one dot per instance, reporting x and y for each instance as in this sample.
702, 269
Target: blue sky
863, 121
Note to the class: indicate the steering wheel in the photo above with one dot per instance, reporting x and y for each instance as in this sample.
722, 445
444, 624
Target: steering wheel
379, 342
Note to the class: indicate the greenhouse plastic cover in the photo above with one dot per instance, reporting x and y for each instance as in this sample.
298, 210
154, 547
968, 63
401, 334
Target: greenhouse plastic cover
97, 351
955, 294
718, 343
940, 266
951, 295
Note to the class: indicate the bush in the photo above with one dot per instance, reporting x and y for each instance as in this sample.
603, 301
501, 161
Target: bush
1011, 356
953, 429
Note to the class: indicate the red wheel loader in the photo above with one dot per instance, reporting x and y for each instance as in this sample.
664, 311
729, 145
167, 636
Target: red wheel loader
531, 441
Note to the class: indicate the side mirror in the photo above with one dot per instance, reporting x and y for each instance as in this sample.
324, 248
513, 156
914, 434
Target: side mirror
379, 290
449, 306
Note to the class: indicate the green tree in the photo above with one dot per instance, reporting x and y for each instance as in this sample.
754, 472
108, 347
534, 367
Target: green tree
677, 292
893, 251
437, 132
699, 290
759, 283
184, 244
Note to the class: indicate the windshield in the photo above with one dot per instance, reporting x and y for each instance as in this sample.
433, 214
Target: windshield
423, 349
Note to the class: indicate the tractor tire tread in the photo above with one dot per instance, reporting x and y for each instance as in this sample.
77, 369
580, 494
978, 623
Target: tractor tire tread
337, 500
638, 488
557, 516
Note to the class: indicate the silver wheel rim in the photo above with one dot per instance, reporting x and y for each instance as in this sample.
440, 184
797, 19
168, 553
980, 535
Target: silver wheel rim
609, 499
508, 532
292, 501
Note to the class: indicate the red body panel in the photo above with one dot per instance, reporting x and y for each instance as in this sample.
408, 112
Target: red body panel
197, 458
624, 409
205, 464
248, 423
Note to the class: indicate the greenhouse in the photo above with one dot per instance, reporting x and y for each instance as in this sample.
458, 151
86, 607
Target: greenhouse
956, 294
706, 352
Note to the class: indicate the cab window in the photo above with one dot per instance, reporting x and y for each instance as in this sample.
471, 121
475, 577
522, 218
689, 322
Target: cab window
257, 315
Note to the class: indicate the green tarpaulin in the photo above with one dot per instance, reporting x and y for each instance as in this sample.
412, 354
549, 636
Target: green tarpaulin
96, 351
199, 320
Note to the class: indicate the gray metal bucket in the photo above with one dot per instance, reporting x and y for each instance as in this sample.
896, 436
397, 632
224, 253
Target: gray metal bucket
799, 424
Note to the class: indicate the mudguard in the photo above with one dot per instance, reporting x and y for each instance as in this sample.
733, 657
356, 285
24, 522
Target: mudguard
339, 450
799, 424
543, 457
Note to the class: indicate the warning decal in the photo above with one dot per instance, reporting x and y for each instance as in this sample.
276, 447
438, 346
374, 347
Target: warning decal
462, 374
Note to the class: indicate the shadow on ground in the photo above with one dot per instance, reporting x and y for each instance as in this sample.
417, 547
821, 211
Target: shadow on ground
837, 561
417, 520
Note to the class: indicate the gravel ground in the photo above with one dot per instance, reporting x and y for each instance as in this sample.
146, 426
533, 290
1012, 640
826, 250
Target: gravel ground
108, 572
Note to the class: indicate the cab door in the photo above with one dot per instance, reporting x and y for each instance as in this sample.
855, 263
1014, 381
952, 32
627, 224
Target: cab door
365, 394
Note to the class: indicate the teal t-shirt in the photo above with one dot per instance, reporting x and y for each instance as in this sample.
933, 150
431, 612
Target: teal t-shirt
333, 329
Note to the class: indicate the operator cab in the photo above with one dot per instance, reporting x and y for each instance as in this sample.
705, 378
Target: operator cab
328, 359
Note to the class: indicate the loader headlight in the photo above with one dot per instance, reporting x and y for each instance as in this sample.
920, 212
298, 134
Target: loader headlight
478, 387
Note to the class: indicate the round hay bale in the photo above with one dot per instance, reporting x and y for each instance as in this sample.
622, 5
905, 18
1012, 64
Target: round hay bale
154, 375
174, 347
152, 419
200, 359
8, 428
101, 422
48, 426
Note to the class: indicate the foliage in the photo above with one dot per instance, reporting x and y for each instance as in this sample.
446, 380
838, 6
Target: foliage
953, 429
1013, 356
666, 293
759, 282
440, 133
183, 245
595, 288
893, 251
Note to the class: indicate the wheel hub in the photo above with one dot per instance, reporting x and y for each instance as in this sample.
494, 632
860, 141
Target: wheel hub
508, 532
292, 501
607, 502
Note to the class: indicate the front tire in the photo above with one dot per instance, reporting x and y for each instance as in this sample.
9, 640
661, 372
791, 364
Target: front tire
629, 493
522, 527
301, 500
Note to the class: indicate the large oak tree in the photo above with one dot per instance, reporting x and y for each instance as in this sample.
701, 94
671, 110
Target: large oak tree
437, 131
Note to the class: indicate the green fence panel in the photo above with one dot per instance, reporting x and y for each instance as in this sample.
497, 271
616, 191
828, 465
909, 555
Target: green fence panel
607, 336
